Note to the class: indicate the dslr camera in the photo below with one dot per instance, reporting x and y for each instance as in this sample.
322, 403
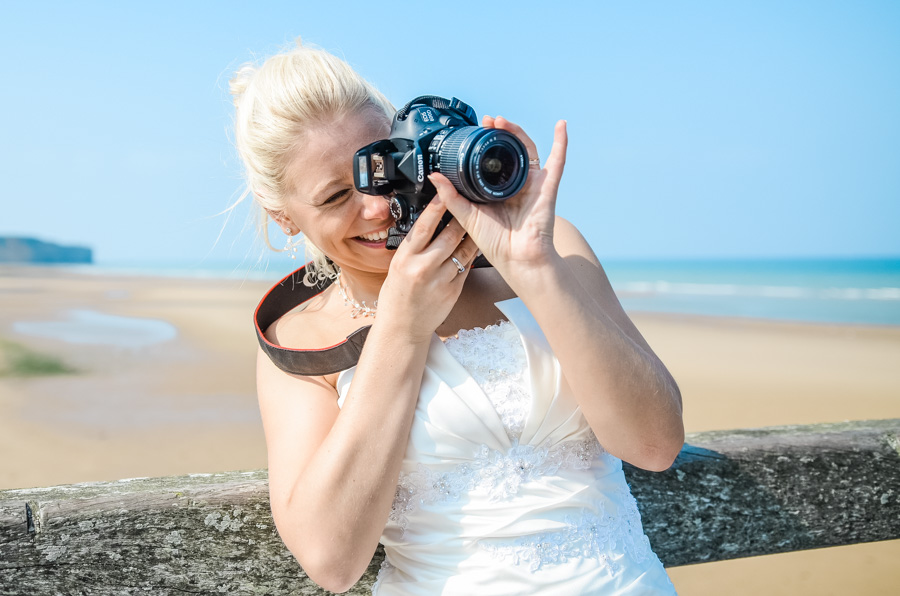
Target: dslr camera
432, 134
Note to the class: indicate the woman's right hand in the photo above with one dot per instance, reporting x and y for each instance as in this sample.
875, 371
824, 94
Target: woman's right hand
423, 283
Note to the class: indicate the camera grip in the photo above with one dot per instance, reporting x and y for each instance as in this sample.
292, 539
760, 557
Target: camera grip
395, 236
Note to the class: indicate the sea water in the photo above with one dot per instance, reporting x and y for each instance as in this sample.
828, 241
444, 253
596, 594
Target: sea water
853, 291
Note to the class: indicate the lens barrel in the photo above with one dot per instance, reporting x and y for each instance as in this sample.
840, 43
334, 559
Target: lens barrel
484, 164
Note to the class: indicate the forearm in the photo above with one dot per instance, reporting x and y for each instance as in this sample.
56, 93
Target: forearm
625, 392
340, 502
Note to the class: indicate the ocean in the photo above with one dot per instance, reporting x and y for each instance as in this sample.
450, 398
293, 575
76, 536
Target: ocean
849, 291
855, 291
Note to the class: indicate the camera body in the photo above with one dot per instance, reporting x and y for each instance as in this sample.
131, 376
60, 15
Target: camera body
432, 134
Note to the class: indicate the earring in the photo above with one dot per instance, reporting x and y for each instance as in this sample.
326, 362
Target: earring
290, 246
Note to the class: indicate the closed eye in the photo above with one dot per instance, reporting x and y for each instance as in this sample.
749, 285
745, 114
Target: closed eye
336, 197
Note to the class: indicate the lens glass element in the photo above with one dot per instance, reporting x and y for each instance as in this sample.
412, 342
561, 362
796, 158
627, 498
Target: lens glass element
498, 164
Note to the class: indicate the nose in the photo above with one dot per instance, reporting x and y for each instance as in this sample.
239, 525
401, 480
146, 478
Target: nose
375, 207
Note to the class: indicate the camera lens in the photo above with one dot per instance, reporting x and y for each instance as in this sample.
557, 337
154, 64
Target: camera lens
484, 164
498, 164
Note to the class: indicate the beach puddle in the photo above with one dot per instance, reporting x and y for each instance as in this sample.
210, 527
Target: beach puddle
92, 327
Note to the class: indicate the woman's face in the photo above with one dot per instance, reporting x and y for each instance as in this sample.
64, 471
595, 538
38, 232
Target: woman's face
348, 226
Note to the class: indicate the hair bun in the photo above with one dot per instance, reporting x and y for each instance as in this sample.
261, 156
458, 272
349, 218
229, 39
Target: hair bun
240, 82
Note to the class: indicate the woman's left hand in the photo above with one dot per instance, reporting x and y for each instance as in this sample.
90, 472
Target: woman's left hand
519, 230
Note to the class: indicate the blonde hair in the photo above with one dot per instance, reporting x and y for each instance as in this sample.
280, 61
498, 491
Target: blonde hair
275, 103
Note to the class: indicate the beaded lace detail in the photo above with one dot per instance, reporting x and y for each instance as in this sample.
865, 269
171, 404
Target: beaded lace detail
589, 535
384, 571
555, 508
499, 474
495, 358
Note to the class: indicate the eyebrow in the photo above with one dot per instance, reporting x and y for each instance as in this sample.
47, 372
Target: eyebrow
324, 192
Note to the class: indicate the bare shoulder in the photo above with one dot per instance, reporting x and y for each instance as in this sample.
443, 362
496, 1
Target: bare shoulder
578, 254
569, 241
314, 325
320, 323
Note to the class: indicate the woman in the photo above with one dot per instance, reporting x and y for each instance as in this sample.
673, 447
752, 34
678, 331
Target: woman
464, 437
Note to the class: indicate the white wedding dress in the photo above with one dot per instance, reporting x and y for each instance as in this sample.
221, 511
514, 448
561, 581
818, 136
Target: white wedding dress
504, 488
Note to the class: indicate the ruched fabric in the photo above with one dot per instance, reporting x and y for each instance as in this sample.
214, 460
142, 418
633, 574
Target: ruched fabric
491, 502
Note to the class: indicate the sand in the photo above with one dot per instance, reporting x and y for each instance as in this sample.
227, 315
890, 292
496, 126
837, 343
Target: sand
187, 404
746, 373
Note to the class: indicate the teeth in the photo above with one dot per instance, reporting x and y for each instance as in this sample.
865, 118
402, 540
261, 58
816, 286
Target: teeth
377, 236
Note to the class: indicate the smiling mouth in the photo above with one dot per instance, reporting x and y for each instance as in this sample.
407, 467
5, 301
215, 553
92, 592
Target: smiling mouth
374, 236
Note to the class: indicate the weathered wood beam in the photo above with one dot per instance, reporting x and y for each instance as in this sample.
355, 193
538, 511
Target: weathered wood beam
730, 494
753, 492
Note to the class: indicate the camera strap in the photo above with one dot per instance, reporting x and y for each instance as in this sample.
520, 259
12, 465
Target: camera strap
286, 295
440, 103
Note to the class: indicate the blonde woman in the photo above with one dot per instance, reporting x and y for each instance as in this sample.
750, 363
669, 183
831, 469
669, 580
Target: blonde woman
479, 435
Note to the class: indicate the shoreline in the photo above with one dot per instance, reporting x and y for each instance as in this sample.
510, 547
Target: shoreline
633, 300
734, 372
737, 320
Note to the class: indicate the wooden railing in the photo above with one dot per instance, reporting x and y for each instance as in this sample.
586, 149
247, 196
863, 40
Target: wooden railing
729, 494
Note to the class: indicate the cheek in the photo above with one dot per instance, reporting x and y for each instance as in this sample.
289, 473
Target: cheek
306, 220
325, 231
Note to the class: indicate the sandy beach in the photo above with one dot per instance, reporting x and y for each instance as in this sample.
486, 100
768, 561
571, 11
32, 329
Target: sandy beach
177, 396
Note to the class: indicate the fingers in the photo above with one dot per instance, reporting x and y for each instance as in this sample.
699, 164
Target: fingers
556, 163
454, 249
422, 238
422, 232
461, 208
449, 238
466, 252
459, 268
460, 262
504, 124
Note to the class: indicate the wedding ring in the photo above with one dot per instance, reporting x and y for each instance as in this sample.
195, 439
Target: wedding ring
460, 268
534, 163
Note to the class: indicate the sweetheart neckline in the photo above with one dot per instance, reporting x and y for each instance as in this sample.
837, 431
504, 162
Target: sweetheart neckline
487, 328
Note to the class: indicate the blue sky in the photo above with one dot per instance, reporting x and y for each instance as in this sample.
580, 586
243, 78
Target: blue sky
697, 129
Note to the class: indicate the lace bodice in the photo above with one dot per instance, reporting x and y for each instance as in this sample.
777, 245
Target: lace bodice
495, 357
504, 489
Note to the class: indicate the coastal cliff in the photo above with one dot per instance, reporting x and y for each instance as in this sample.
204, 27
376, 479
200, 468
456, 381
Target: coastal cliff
31, 250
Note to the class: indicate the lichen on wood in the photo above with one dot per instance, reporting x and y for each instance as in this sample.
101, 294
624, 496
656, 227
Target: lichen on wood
729, 494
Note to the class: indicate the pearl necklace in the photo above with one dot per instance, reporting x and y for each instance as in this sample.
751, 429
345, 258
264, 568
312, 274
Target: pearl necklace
360, 309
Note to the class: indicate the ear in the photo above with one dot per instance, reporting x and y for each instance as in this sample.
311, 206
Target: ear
284, 222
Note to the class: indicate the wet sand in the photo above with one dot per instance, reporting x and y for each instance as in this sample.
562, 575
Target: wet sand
178, 406
187, 403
